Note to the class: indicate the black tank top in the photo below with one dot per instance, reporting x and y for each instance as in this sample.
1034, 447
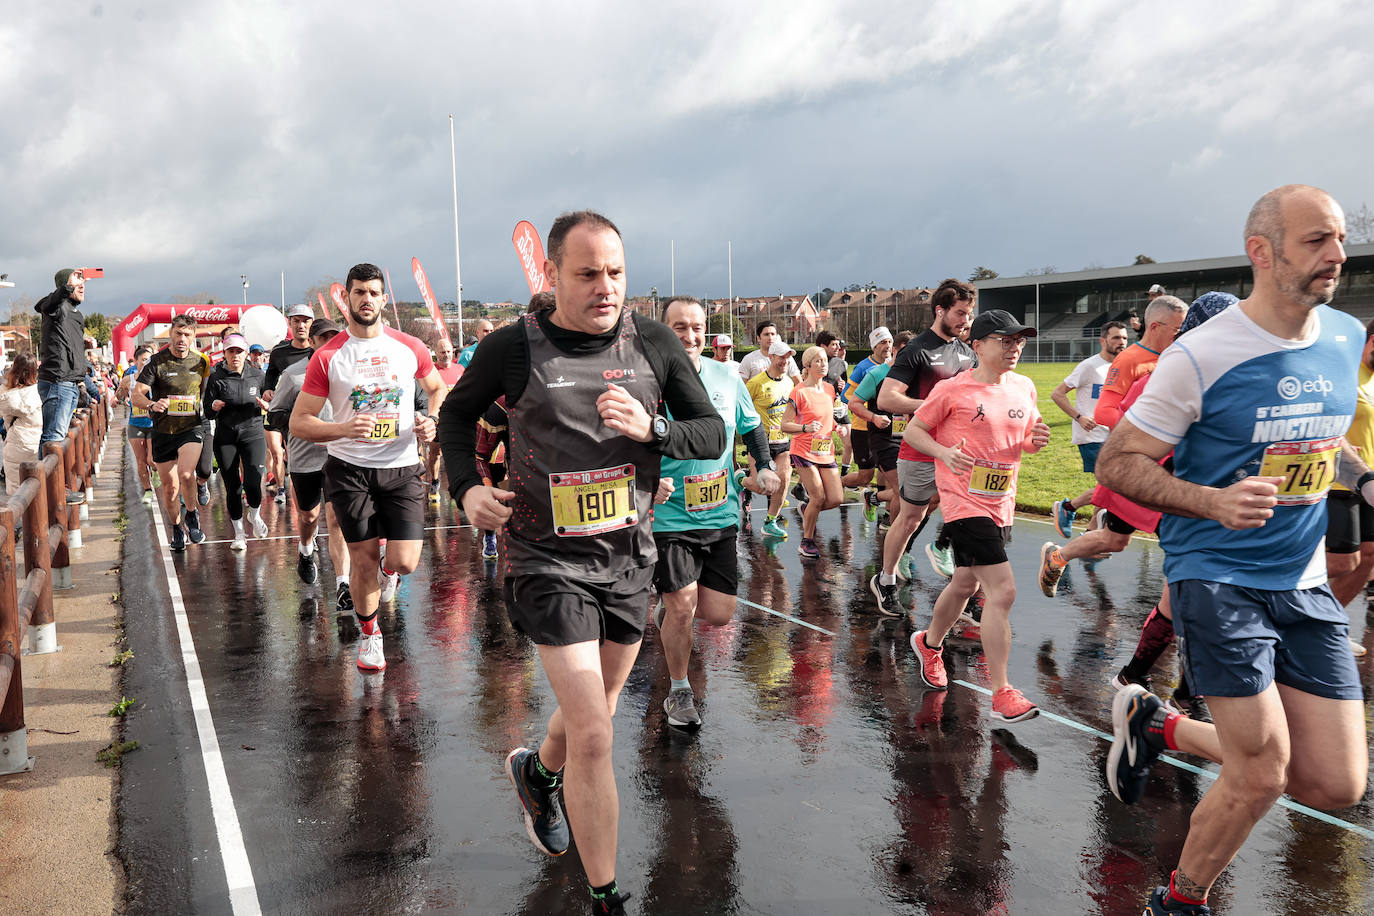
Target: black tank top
583, 493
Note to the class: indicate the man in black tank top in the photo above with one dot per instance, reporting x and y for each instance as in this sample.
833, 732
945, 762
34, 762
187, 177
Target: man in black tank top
588, 388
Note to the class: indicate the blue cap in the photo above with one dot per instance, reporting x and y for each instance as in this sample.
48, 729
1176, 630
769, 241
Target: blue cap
1206, 306
257, 348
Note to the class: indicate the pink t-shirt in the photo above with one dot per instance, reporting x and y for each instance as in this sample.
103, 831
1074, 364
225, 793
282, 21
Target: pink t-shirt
994, 421
814, 406
374, 376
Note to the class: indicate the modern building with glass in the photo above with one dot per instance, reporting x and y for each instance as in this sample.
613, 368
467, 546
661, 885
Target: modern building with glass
1069, 309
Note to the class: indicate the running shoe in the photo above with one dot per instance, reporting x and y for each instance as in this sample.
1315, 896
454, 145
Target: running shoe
974, 607
1193, 707
1051, 568
203, 492
1129, 760
178, 539
1063, 517
610, 906
888, 603
306, 568
1121, 681
193, 532
808, 549
259, 527
147, 497
772, 529
966, 628
1159, 904
542, 807
343, 599
1010, 705
932, 662
238, 543
799, 493
941, 559
280, 498
489, 545
389, 585
681, 707
870, 504
884, 521
1356, 649
370, 657
903, 571
1369, 589
746, 500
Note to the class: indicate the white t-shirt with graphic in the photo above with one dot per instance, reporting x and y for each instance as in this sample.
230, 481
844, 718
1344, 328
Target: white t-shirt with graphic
1087, 378
374, 376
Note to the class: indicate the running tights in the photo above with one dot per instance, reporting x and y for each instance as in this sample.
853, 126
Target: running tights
241, 454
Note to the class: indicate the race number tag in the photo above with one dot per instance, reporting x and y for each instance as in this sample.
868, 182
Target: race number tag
991, 478
822, 445
1308, 469
137, 412
181, 406
898, 425
385, 426
705, 491
593, 502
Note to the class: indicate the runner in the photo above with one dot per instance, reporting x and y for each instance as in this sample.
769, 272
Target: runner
724, 347
493, 439
1087, 378
257, 355
837, 376
1349, 522
368, 376
484, 327
305, 461
697, 573
860, 444
296, 348
583, 384
979, 424
449, 373
770, 390
140, 424
1253, 406
883, 431
233, 399
169, 387
810, 418
936, 354
766, 333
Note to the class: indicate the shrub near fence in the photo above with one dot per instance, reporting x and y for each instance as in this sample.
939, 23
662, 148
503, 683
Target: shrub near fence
50, 528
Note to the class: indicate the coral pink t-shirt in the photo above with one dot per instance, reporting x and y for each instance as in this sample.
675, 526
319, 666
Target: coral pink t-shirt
994, 421
814, 406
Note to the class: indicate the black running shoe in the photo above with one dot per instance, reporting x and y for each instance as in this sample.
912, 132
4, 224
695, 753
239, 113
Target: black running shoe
1129, 760
613, 905
307, 568
888, 603
1159, 905
543, 808
343, 599
193, 531
178, 539
1194, 707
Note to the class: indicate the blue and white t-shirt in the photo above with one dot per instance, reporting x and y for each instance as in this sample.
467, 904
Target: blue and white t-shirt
1236, 401
1088, 378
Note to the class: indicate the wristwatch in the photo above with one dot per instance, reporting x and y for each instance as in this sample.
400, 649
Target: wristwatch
660, 429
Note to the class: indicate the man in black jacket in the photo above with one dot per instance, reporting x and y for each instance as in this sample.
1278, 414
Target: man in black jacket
62, 351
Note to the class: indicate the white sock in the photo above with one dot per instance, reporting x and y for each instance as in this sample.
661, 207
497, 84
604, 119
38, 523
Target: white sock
306, 547
340, 580
253, 512
238, 527
887, 578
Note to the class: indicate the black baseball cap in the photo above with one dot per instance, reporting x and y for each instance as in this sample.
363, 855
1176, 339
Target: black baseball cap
997, 321
322, 326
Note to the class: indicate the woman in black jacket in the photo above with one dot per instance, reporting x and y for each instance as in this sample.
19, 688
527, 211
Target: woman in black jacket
233, 398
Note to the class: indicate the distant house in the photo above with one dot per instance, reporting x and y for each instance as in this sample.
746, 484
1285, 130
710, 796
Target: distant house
14, 338
797, 317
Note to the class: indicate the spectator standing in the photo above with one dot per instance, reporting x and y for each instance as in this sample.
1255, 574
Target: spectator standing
22, 410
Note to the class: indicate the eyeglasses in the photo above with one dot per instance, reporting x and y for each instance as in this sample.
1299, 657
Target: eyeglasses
1008, 343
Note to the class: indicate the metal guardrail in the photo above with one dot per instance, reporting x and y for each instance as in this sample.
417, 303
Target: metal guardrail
50, 529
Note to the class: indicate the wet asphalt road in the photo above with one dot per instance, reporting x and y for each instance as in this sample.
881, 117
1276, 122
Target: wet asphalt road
826, 780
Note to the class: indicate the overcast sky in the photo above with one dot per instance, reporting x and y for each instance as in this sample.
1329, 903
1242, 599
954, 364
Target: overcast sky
181, 144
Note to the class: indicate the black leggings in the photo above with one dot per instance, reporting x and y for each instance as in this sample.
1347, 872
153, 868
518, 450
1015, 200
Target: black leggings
207, 454
241, 450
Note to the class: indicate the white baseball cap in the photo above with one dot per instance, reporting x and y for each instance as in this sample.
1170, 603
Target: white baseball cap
722, 340
1157, 289
878, 335
778, 348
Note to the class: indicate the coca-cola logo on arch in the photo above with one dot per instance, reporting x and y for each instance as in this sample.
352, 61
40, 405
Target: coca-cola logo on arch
209, 314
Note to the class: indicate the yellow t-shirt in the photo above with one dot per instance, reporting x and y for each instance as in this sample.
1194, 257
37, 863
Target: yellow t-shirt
1361, 433
770, 400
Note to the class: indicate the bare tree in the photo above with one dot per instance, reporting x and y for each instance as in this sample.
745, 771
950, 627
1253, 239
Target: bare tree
1360, 225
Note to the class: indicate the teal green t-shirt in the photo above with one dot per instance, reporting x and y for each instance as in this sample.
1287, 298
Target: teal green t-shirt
872, 381
708, 485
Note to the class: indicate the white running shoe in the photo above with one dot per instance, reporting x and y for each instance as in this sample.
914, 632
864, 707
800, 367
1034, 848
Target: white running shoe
238, 543
389, 585
259, 527
370, 657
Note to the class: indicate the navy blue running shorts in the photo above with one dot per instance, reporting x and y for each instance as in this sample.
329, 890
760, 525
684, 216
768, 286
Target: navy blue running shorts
1088, 452
1234, 640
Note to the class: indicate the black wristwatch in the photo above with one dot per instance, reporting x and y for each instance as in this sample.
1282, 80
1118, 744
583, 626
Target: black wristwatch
660, 429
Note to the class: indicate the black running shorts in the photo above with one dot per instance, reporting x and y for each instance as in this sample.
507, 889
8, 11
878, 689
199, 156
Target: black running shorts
977, 541
166, 447
707, 556
376, 502
1349, 522
554, 610
309, 486
861, 442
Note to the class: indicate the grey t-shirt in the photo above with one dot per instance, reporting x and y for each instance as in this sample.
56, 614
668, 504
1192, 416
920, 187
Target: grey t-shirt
302, 457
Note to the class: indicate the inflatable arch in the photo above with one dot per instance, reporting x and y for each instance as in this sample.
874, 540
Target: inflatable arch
123, 334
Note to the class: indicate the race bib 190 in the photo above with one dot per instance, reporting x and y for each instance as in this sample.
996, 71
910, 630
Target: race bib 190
593, 502
1308, 469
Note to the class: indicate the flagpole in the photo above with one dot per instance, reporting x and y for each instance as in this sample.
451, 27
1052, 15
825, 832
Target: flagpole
283, 291
457, 264
730, 274
672, 261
